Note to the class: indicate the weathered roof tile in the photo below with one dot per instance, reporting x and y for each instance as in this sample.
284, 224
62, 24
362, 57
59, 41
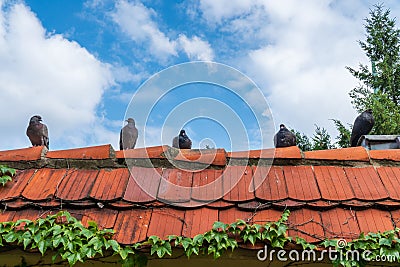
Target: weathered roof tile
301, 183
199, 221
166, 221
333, 183
142, 153
110, 184
131, 226
366, 183
94, 152
76, 184
43, 184
23, 154
350, 153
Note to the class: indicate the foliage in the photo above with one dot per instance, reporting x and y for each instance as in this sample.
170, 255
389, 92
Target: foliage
302, 140
386, 114
320, 140
61, 233
223, 237
5, 174
343, 139
371, 247
73, 242
379, 88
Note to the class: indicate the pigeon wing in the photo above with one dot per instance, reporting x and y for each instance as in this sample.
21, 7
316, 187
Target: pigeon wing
45, 136
135, 135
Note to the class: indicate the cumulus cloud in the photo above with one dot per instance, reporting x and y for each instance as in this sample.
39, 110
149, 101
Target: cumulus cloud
218, 11
139, 23
195, 48
46, 74
302, 52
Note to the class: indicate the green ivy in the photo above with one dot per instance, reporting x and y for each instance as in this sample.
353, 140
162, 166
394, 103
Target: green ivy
61, 233
5, 174
378, 245
70, 241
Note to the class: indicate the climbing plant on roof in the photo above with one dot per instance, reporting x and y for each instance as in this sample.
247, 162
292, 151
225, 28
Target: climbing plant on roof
6, 174
71, 241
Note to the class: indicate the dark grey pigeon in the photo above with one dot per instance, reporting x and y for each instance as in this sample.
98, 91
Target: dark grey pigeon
37, 132
182, 141
284, 137
362, 126
128, 135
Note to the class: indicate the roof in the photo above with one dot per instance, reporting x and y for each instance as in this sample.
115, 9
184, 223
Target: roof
162, 191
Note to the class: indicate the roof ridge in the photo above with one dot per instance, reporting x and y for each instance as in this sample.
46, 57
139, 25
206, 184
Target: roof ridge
104, 156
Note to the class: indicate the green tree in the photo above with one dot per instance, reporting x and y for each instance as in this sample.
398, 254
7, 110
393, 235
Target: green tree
320, 140
379, 87
302, 140
343, 139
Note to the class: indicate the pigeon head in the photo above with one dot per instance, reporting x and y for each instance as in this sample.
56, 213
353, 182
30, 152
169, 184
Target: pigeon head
130, 120
182, 133
369, 111
35, 119
282, 126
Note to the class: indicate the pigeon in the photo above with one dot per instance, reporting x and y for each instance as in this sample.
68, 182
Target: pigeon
128, 135
37, 132
284, 137
182, 141
362, 126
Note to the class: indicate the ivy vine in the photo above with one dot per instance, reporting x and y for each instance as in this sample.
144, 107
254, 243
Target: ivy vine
71, 241
6, 174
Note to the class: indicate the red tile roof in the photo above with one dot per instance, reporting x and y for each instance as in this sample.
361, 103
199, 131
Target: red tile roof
163, 191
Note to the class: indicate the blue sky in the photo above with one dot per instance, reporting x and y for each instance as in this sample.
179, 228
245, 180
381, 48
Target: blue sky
79, 63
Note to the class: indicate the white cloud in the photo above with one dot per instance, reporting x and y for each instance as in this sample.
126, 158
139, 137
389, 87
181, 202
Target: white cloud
218, 11
302, 50
195, 48
137, 21
46, 74
303, 70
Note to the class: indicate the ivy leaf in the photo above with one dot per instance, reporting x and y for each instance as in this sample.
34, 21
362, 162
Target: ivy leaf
90, 253
285, 216
186, 242
27, 241
218, 225
252, 239
114, 245
385, 241
10, 237
6, 170
42, 247
125, 252
153, 239
198, 239
70, 247
57, 229
171, 237
73, 258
